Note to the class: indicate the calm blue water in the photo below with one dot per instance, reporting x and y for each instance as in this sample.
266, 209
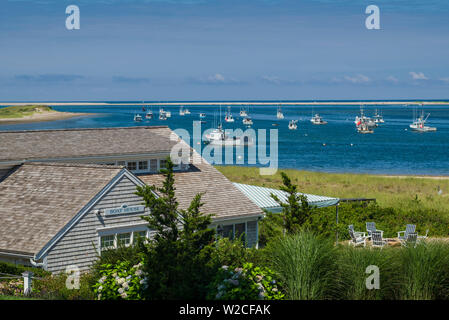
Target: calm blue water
390, 150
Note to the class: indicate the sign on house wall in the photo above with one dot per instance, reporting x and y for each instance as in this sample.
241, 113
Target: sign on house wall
124, 209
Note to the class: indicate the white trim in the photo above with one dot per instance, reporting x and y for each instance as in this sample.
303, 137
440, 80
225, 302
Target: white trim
123, 227
123, 173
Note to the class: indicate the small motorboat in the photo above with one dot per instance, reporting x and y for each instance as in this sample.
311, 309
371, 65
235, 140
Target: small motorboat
318, 120
247, 121
137, 117
202, 115
229, 117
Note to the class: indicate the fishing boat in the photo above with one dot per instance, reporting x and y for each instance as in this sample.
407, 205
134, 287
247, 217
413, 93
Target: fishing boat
219, 137
419, 123
279, 113
368, 122
378, 118
229, 117
364, 128
317, 119
293, 125
137, 117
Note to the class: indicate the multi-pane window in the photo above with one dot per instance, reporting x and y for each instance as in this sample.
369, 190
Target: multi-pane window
124, 239
107, 242
153, 165
121, 163
132, 165
162, 164
233, 231
143, 165
139, 235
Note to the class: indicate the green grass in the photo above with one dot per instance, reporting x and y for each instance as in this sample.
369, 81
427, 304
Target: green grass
22, 111
395, 192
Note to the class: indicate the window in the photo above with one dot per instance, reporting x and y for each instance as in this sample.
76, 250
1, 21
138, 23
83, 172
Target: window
132, 166
232, 231
153, 165
239, 230
121, 163
107, 242
124, 239
139, 235
162, 164
143, 165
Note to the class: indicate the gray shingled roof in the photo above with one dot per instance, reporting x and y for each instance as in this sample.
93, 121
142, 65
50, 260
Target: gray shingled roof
222, 198
38, 199
67, 143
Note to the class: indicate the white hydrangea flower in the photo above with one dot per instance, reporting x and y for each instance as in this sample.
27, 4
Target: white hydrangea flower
121, 291
120, 281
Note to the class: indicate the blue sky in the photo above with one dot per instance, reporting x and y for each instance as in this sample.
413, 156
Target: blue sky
223, 49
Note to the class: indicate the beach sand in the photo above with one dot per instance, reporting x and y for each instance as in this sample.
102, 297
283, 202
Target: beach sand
43, 116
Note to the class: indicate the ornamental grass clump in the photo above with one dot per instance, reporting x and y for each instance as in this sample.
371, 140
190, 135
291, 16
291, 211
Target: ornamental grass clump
246, 283
353, 274
425, 271
305, 264
121, 281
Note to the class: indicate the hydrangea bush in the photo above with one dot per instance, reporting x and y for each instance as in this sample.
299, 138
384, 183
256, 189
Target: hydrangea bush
121, 281
247, 283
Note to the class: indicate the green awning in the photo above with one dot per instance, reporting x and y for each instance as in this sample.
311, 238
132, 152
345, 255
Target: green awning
262, 197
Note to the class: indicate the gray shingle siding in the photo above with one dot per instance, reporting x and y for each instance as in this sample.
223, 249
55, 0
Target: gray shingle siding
78, 246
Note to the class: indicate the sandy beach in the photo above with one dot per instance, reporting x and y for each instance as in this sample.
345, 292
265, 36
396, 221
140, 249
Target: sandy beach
43, 116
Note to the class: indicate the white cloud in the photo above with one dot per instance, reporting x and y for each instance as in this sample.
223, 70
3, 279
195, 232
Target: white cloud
393, 79
272, 79
360, 78
418, 76
218, 77
445, 79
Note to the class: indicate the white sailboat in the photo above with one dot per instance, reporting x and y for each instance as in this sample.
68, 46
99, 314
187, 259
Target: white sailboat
293, 125
229, 117
378, 118
181, 111
279, 113
243, 112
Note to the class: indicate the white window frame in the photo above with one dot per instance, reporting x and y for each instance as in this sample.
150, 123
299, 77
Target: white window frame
121, 229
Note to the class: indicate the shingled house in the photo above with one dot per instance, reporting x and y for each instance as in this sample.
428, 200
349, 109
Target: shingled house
66, 194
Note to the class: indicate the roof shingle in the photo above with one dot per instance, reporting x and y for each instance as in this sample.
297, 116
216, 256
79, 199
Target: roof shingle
38, 199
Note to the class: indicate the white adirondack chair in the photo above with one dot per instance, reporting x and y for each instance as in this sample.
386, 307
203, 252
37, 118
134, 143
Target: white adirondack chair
402, 235
357, 238
410, 241
377, 240
370, 227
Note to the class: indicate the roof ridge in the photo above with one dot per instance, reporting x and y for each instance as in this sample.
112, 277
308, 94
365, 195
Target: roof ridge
83, 129
72, 164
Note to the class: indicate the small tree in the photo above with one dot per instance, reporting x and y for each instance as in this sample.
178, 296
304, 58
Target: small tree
297, 210
178, 253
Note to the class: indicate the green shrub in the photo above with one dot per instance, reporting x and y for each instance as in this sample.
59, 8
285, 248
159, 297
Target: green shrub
305, 264
247, 283
54, 287
14, 269
121, 281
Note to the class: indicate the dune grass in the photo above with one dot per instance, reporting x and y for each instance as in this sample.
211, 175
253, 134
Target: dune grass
396, 192
22, 111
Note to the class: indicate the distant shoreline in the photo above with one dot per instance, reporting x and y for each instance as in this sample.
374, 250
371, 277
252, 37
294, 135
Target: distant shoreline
41, 117
261, 103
